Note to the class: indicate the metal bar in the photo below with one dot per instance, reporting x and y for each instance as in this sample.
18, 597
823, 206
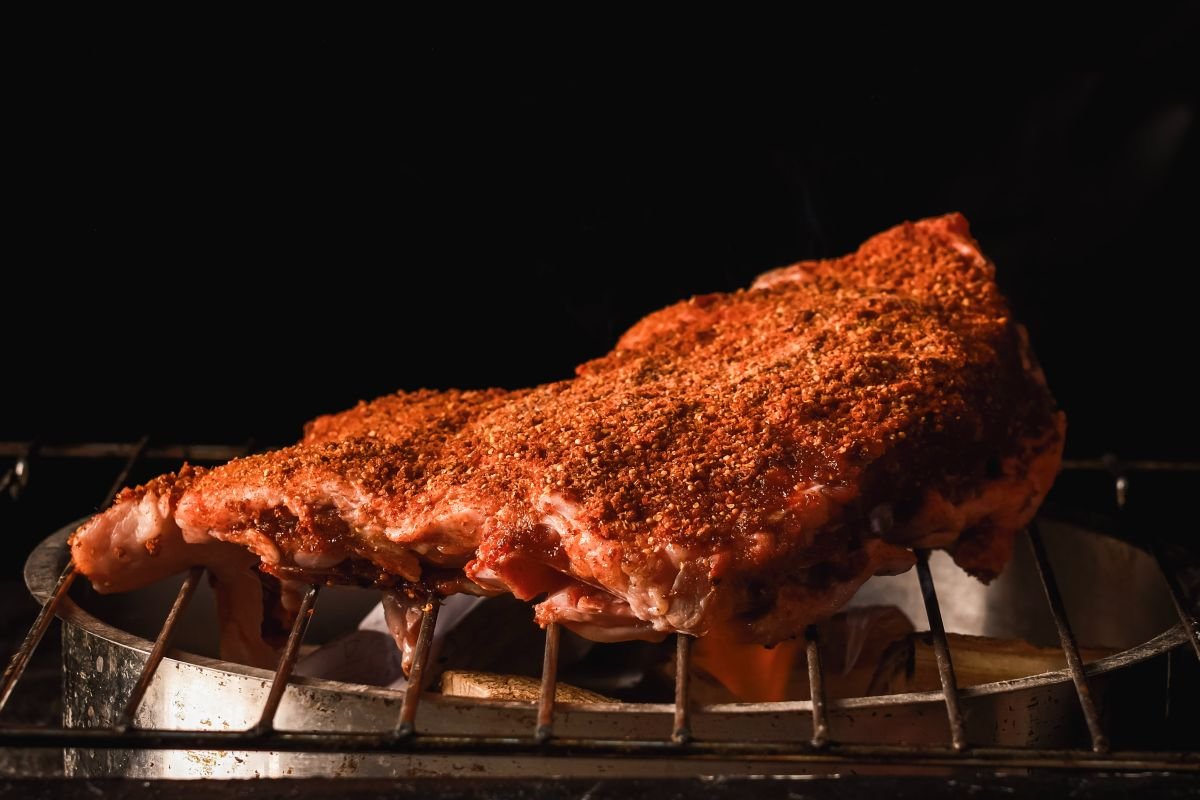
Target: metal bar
291, 651
1187, 618
941, 649
125, 721
798, 752
135, 454
20, 660
1189, 621
416, 676
1179, 597
545, 717
1106, 464
816, 689
167, 452
17, 477
1066, 638
682, 731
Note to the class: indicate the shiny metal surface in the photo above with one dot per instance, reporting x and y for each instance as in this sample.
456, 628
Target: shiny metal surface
196, 692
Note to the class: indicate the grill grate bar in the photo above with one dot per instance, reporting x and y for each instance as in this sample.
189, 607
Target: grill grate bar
135, 455
801, 752
287, 661
416, 675
1106, 463
1066, 638
545, 717
941, 649
125, 721
16, 478
20, 660
1189, 621
682, 732
1187, 618
816, 688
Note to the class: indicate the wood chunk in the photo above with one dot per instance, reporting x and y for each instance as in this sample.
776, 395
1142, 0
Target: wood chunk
490, 685
910, 665
851, 644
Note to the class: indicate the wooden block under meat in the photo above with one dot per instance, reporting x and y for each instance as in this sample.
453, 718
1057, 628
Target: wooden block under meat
851, 643
910, 665
459, 683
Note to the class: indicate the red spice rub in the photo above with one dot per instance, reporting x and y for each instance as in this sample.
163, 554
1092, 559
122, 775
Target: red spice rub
745, 458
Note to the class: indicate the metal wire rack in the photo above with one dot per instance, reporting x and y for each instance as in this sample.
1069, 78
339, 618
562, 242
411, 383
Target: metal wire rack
820, 749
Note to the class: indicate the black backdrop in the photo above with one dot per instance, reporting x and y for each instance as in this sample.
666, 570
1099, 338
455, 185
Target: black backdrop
208, 248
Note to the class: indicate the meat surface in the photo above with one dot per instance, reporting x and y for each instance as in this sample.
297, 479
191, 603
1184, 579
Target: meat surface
740, 461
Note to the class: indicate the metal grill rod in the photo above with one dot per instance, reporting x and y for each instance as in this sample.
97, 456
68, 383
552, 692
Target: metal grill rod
1187, 618
1189, 621
125, 721
1105, 464
941, 649
1066, 638
682, 732
20, 660
798, 752
139, 449
16, 478
816, 688
287, 661
545, 717
416, 676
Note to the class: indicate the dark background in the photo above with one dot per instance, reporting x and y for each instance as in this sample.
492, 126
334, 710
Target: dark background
211, 246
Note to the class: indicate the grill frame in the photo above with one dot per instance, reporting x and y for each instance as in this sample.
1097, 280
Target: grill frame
405, 738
